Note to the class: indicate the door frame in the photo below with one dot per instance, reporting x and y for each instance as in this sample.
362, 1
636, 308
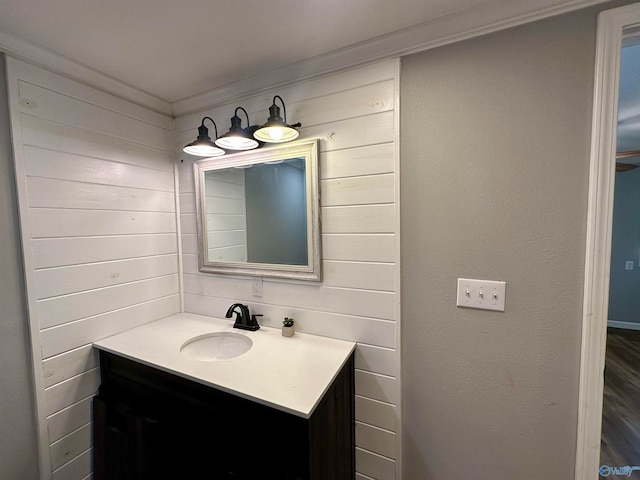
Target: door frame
611, 24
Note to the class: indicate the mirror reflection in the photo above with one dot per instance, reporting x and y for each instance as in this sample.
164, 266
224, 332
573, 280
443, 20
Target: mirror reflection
258, 213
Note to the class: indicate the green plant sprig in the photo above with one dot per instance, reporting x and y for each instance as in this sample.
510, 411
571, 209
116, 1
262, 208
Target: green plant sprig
288, 322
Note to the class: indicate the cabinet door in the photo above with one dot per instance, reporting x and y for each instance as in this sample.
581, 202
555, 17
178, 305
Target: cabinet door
112, 458
129, 445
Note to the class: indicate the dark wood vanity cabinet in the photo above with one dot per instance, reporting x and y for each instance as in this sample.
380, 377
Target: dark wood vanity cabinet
149, 424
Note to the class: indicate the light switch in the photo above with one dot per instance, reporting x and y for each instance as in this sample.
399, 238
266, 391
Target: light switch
482, 294
628, 265
256, 287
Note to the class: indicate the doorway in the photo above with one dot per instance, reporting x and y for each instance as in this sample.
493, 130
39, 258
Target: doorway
620, 445
613, 26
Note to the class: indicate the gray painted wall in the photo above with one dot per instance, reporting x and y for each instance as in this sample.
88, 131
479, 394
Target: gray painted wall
624, 301
495, 138
18, 445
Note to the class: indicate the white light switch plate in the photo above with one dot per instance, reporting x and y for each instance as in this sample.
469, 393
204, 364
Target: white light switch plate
256, 287
483, 294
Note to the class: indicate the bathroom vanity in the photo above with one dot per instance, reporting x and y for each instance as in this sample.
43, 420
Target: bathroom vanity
282, 410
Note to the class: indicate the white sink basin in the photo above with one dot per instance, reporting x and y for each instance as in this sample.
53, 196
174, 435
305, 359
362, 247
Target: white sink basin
216, 346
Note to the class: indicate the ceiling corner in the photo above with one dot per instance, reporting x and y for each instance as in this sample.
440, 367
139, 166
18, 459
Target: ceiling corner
22, 49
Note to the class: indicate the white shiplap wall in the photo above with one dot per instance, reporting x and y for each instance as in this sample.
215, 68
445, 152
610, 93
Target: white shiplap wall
97, 208
226, 215
354, 114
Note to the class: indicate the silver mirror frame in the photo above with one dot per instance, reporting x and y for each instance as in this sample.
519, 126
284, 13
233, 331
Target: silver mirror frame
306, 149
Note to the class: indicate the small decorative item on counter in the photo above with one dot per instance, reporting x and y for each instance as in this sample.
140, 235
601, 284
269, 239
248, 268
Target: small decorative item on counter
288, 327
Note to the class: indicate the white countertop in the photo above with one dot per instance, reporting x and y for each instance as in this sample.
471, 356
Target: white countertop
290, 374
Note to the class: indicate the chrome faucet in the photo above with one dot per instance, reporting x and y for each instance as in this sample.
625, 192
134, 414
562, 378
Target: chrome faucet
244, 320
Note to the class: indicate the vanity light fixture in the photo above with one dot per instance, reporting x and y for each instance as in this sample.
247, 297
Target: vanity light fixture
238, 138
276, 130
203, 146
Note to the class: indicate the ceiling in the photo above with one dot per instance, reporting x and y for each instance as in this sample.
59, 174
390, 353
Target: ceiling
173, 50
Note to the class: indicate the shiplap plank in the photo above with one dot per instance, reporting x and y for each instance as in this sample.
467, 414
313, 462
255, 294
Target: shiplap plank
70, 111
360, 248
44, 163
189, 263
376, 413
377, 387
69, 364
188, 223
356, 162
356, 102
79, 467
370, 276
226, 239
376, 440
358, 190
50, 135
53, 193
72, 279
186, 182
57, 252
375, 359
68, 336
49, 222
70, 446
231, 176
226, 222
359, 219
356, 329
226, 206
300, 91
236, 253
189, 243
364, 303
80, 91
354, 132
215, 189
63, 394
69, 419
187, 202
58, 310
375, 466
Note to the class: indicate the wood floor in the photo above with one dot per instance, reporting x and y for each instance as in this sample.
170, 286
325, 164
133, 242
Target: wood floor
621, 407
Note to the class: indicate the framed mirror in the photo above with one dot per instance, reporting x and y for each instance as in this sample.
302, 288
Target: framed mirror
258, 212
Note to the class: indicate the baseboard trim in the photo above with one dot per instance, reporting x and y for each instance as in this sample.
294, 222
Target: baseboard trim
627, 325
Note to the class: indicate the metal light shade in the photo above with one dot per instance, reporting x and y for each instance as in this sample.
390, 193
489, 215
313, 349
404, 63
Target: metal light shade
237, 138
203, 146
276, 129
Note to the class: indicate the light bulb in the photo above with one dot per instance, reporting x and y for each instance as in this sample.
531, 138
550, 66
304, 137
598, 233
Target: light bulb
203, 150
276, 133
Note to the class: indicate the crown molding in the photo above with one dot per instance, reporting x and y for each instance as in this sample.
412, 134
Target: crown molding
22, 49
473, 22
480, 20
